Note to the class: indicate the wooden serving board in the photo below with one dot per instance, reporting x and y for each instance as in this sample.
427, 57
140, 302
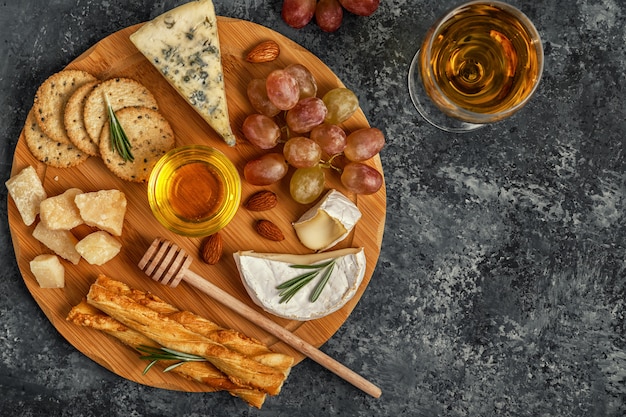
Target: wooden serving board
116, 56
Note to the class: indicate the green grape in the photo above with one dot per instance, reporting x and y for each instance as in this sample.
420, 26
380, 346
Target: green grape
307, 184
341, 103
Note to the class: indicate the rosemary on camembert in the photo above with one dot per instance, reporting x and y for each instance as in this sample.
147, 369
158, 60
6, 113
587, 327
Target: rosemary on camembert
290, 287
155, 354
119, 140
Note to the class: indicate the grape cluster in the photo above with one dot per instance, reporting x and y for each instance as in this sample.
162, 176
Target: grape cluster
328, 13
289, 113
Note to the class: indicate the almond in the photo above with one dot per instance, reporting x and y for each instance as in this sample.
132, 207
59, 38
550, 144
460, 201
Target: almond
264, 52
261, 201
212, 249
269, 230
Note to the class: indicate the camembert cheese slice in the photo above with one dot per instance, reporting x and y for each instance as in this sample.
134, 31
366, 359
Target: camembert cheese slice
261, 273
183, 44
328, 222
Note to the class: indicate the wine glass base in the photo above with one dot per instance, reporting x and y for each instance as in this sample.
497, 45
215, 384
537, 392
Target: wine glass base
428, 110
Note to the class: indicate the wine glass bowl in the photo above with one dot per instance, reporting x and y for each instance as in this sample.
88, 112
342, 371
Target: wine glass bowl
478, 64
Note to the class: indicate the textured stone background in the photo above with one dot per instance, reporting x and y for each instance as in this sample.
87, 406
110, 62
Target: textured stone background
501, 286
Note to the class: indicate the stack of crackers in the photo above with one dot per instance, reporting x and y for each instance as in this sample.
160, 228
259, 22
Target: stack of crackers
69, 122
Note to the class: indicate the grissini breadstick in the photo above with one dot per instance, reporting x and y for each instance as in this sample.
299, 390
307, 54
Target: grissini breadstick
86, 315
235, 341
168, 333
230, 338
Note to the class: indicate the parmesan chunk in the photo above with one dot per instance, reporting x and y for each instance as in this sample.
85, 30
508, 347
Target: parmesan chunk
60, 212
62, 242
48, 271
98, 247
104, 209
26, 190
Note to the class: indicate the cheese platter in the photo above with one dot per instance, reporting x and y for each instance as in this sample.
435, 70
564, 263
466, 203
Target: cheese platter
116, 56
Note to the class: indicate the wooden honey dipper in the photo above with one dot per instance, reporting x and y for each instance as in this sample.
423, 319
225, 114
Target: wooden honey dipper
168, 264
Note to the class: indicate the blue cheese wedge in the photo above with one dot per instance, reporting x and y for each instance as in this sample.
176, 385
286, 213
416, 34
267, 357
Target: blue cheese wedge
328, 222
183, 44
261, 273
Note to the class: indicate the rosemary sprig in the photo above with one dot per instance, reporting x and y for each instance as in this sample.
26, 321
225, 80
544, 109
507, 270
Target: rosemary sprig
155, 354
119, 140
290, 287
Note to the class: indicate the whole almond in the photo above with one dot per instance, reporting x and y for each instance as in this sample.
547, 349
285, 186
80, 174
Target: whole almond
261, 201
269, 230
264, 52
212, 249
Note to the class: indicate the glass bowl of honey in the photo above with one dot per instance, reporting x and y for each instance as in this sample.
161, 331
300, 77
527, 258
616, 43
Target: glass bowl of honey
194, 190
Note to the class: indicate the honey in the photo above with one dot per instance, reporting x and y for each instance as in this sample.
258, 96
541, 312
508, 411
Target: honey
194, 190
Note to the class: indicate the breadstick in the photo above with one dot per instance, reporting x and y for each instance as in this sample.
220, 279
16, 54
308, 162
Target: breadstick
168, 333
86, 315
230, 338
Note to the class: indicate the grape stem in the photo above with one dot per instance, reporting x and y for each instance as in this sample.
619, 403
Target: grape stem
285, 133
329, 163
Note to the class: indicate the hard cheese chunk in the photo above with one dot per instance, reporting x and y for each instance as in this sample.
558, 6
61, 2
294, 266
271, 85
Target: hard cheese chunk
27, 192
62, 242
104, 209
48, 271
60, 212
262, 272
98, 247
328, 222
183, 44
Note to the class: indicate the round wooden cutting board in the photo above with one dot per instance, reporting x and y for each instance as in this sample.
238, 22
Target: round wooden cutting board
116, 56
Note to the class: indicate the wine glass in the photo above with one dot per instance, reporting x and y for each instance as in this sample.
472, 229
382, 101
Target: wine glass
479, 63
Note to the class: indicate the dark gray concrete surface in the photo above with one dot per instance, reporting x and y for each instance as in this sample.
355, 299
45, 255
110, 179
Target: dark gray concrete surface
501, 285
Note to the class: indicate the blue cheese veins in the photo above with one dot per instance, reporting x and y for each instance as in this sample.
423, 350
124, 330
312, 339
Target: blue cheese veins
183, 44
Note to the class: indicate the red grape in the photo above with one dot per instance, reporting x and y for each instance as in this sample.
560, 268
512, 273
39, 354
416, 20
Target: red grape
360, 7
361, 179
331, 138
282, 89
363, 144
302, 152
266, 169
306, 114
329, 15
261, 131
306, 81
298, 13
257, 94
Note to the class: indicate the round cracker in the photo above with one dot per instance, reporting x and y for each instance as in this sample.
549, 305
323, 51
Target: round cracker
150, 136
47, 150
50, 100
122, 92
73, 120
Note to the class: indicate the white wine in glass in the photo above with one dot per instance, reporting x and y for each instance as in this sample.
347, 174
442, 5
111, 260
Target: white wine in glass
479, 63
